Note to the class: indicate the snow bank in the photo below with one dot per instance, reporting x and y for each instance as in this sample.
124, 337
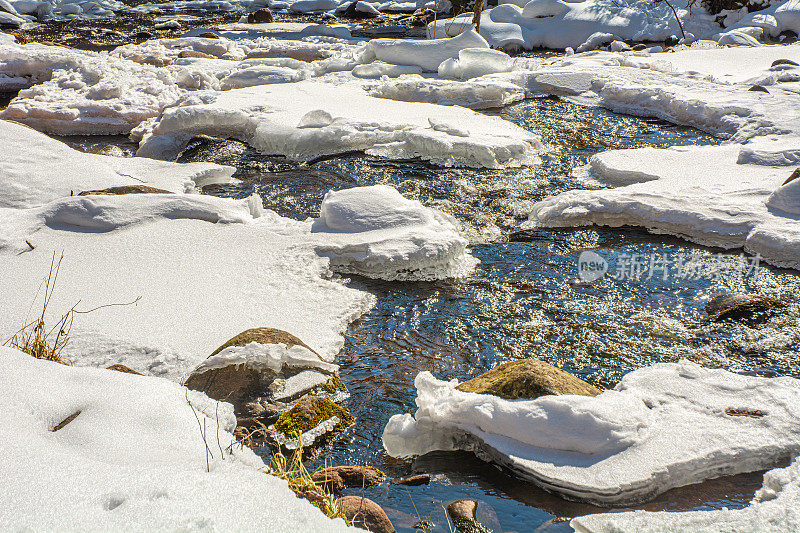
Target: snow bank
134, 459
703, 194
308, 119
380, 232
663, 426
480, 93
44, 169
475, 62
589, 24
774, 508
425, 54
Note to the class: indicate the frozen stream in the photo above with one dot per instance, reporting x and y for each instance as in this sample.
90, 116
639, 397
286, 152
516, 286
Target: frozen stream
522, 300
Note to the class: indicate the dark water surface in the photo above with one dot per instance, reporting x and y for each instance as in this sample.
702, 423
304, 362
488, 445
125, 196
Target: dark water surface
522, 300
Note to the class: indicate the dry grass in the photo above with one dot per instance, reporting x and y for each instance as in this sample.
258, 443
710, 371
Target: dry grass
301, 483
34, 338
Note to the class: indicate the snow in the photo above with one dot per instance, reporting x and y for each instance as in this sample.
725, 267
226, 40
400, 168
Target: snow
413, 241
271, 119
774, 508
477, 93
427, 54
271, 356
661, 427
475, 62
213, 266
134, 459
718, 196
24, 188
590, 24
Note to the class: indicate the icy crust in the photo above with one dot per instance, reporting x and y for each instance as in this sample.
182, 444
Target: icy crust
774, 508
43, 169
663, 426
311, 118
271, 356
700, 193
134, 458
480, 93
590, 24
381, 234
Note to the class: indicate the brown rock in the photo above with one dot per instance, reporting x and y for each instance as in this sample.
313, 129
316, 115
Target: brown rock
264, 336
784, 62
758, 89
122, 368
336, 478
194, 53
365, 513
793, 176
462, 509
418, 479
739, 306
308, 413
209, 35
126, 189
527, 378
263, 15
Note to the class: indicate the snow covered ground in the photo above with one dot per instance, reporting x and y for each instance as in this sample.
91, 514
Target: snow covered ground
590, 24
134, 459
663, 426
213, 266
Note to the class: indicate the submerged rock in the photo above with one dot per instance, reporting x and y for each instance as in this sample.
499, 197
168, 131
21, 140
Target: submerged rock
527, 378
739, 306
414, 480
463, 515
336, 478
127, 189
365, 513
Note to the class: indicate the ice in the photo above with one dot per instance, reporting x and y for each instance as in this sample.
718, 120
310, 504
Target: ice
134, 458
480, 93
377, 69
271, 356
269, 117
663, 426
588, 24
774, 508
427, 54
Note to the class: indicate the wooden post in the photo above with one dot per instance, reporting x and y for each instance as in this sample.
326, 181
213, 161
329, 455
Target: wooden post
476, 18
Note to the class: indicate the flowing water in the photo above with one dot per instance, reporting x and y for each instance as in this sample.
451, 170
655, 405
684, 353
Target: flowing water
523, 300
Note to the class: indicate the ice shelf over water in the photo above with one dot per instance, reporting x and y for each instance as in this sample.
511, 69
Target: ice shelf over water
663, 426
774, 508
265, 271
133, 459
311, 118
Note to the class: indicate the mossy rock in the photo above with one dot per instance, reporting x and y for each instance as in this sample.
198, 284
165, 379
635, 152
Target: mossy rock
264, 336
332, 386
308, 413
335, 479
527, 378
126, 189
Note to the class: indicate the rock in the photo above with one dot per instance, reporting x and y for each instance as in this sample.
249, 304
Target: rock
672, 40
126, 189
264, 336
239, 382
261, 16
365, 513
793, 176
209, 35
741, 307
462, 509
527, 378
336, 478
759, 89
143, 35
639, 47
122, 368
418, 479
308, 413
194, 53
784, 62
